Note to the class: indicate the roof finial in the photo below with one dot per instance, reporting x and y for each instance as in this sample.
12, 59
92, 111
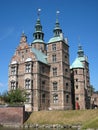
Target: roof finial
79, 43
57, 13
38, 12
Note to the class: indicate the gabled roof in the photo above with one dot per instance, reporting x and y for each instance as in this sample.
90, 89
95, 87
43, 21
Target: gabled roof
77, 64
40, 56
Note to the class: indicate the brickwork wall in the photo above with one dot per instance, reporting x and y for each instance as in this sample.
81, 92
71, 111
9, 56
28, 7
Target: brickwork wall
12, 115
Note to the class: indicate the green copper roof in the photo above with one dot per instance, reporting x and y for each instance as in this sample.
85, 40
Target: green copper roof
55, 39
38, 40
39, 55
77, 64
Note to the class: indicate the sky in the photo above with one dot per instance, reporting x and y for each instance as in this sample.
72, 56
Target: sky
78, 20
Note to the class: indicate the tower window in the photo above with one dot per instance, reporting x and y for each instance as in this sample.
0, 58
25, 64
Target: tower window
53, 47
27, 83
76, 80
66, 85
77, 98
65, 57
75, 71
54, 58
76, 86
43, 98
67, 98
55, 86
55, 98
43, 69
54, 71
43, 84
66, 70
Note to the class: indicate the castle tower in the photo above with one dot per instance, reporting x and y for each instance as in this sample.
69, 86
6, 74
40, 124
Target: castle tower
38, 35
80, 81
58, 59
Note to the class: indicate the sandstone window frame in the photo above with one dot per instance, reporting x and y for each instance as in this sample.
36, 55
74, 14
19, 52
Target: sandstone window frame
54, 71
54, 47
55, 86
67, 98
27, 84
13, 70
28, 95
55, 98
54, 58
13, 85
28, 66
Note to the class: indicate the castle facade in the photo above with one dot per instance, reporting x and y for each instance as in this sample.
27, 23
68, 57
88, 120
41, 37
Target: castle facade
44, 72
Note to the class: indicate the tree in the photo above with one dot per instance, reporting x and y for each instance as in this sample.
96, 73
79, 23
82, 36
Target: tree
15, 97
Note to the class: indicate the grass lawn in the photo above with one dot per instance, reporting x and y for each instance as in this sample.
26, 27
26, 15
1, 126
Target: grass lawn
87, 118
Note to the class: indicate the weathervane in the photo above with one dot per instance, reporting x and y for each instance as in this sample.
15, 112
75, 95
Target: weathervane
38, 12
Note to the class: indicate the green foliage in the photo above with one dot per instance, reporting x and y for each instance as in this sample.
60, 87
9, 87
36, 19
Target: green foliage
15, 97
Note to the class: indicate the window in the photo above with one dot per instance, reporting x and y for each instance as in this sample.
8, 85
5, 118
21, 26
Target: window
28, 68
66, 70
53, 47
27, 83
13, 85
43, 69
55, 98
55, 86
43, 98
77, 98
66, 85
65, 57
76, 80
67, 98
43, 84
28, 97
54, 58
76, 86
75, 71
54, 71
13, 70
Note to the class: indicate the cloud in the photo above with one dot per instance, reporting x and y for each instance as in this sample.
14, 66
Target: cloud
6, 33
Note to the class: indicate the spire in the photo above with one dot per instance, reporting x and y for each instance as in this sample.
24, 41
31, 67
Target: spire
38, 34
23, 38
80, 51
57, 30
